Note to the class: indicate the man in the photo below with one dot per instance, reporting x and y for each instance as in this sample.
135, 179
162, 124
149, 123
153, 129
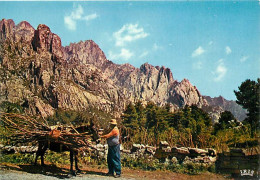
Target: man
113, 156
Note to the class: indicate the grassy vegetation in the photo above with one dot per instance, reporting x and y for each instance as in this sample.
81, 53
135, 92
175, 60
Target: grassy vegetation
155, 164
17, 158
140, 163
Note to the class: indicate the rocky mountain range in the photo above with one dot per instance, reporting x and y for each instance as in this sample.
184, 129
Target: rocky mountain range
38, 73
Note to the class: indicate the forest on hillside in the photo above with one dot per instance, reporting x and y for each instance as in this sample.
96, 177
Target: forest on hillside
190, 126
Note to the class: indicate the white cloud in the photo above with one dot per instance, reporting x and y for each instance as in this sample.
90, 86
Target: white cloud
244, 58
77, 14
90, 17
220, 71
228, 50
124, 55
198, 51
70, 23
145, 53
129, 33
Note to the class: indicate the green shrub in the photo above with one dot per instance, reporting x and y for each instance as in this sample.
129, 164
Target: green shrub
193, 168
212, 168
57, 158
154, 164
126, 161
9, 107
17, 158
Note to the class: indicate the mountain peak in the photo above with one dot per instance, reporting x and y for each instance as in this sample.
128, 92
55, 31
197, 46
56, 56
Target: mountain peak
168, 73
146, 68
6, 29
24, 25
7, 21
45, 40
86, 52
42, 38
24, 31
43, 27
185, 81
86, 79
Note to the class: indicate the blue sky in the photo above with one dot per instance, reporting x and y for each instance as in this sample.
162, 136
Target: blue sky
216, 45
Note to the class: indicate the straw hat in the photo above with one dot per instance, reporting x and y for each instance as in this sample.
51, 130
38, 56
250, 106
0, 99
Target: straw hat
113, 121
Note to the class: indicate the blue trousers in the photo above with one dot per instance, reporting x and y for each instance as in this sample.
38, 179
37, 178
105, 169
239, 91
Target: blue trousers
113, 159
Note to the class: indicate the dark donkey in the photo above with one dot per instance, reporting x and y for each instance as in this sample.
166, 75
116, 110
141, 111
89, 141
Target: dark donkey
60, 147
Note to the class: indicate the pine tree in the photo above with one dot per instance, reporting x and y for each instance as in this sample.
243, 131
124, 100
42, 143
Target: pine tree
140, 110
248, 96
130, 117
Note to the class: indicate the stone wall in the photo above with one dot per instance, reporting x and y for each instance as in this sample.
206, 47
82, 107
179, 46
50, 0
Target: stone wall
240, 163
15, 149
165, 153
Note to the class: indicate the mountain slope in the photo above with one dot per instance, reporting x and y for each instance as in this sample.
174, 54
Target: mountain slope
40, 74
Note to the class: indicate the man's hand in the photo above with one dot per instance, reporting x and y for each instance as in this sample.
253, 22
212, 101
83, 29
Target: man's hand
100, 131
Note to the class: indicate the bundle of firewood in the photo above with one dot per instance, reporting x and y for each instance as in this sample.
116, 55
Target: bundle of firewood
24, 129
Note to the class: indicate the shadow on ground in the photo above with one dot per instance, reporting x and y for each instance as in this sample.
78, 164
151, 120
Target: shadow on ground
49, 170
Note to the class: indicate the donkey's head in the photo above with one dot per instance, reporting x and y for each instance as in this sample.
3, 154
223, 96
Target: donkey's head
91, 129
94, 128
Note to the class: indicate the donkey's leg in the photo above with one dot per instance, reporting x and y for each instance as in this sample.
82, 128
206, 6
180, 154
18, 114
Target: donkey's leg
42, 154
71, 163
76, 162
42, 159
38, 152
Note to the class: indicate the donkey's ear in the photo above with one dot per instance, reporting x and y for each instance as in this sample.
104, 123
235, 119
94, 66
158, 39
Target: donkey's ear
91, 123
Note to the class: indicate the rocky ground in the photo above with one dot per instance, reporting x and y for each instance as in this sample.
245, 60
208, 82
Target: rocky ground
52, 172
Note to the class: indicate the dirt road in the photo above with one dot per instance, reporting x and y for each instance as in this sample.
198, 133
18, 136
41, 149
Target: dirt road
51, 172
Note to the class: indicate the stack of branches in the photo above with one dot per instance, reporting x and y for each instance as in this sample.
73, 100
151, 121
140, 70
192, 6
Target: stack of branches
24, 129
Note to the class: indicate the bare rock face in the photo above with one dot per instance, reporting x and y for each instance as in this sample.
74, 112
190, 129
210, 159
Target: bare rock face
37, 106
6, 29
24, 32
219, 104
42, 38
56, 48
40, 74
186, 94
45, 78
86, 52
45, 40
156, 84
